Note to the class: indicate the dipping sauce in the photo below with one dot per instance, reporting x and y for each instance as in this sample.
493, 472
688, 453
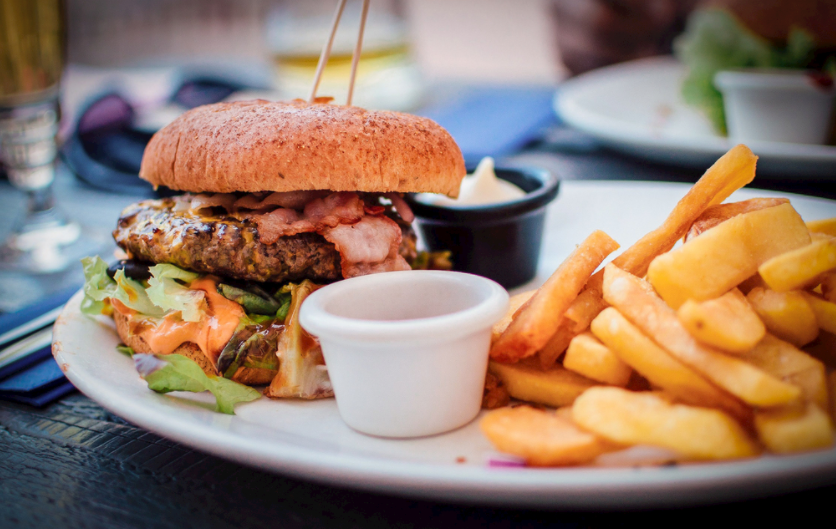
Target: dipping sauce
481, 187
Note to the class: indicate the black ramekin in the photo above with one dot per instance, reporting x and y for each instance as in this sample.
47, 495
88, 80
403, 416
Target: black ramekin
498, 241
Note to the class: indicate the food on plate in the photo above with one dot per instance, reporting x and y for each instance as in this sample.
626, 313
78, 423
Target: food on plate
589, 357
536, 321
279, 198
723, 366
823, 226
727, 322
785, 36
633, 418
801, 268
787, 315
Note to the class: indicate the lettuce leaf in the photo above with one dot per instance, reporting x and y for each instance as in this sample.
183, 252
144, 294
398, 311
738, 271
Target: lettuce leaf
98, 286
165, 373
166, 290
715, 40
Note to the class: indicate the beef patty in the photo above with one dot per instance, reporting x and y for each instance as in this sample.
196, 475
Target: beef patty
154, 231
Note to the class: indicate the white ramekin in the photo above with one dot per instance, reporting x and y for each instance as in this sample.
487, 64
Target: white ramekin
776, 105
407, 352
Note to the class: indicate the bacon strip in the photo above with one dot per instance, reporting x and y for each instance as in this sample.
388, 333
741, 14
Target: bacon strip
368, 246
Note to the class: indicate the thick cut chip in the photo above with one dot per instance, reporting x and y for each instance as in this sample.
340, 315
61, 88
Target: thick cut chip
783, 360
722, 212
540, 317
592, 359
794, 429
516, 301
660, 368
630, 418
800, 268
633, 298
824, 310
787, 315
542, 438
557, 344
554, 387
723, 257
825, 226
828, 286
727, 322
732, 171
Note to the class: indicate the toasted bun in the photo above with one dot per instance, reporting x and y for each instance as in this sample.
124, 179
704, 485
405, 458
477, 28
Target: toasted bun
253, 146
244, 375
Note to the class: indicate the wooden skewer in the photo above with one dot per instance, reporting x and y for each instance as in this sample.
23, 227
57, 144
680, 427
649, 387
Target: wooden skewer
355, 58
326, 51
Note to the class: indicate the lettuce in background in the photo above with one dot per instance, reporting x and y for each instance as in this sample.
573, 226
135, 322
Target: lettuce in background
715, 40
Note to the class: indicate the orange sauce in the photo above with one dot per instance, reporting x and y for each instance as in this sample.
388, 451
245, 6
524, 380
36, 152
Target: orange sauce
210, 334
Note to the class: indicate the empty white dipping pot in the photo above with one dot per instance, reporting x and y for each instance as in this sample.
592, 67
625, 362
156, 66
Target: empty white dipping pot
793, 106
407, 352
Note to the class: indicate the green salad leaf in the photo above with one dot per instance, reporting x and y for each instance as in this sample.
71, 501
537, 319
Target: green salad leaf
168, 289
174, 372
715, 40
98, 286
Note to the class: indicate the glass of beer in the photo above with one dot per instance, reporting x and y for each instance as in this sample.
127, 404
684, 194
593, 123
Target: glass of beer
32, 49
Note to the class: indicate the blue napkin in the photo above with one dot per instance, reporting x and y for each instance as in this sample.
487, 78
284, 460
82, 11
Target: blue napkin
495, 120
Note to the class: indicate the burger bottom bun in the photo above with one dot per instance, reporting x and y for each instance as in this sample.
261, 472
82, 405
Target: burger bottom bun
245, 375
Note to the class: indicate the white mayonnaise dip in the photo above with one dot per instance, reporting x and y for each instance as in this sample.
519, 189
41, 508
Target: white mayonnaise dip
480, 188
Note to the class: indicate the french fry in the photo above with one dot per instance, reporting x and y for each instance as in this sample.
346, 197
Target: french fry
784, 361
630, 418
516, 301
660, 368
732, 171
720, 259
801, 267
728, 323
651, 315
828, 286
787, 315
826, 226
555, 387
556, 345
794, 429
540, 317
592, 359
824, 310
722, 212
542, 438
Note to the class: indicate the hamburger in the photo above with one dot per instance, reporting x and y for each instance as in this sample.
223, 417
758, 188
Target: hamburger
278, 199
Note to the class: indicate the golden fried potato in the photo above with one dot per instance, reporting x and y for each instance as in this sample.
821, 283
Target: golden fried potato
783, 360
787, 315
516, 301
632, 297
825, 226
540, 317
800, 268
794, 429
541, 438
556, 345
721, 258
723, 212
660, 368
630, 418
728, 323
554, 387
592, 359
824, 310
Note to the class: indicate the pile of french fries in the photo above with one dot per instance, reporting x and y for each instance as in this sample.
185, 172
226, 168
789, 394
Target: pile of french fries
722, 347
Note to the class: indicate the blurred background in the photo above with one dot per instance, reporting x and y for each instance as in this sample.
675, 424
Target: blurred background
85, 83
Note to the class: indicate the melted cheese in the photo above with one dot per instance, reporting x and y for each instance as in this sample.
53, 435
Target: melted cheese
210, 334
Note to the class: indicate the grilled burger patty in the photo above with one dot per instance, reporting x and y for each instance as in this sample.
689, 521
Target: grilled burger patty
153, 231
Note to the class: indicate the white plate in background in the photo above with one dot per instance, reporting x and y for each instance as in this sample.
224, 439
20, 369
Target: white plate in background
308, 440
636, 107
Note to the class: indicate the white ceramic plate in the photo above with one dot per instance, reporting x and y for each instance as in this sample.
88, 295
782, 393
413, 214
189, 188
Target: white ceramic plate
636, 107
308, 439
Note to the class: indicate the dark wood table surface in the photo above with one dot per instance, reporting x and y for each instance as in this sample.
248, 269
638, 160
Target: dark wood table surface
73, 464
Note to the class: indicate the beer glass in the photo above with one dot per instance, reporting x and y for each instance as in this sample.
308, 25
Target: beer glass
32, 49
